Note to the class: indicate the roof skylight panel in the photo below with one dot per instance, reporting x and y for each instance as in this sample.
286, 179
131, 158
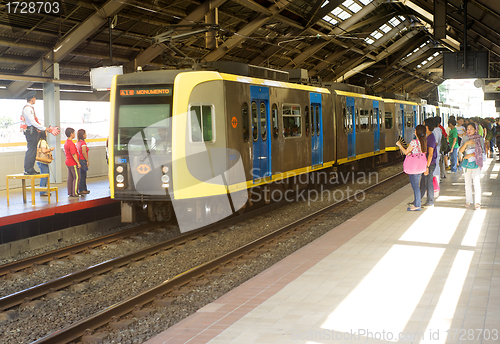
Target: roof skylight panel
325, 3
365, 2
376, 34
344, 15
369, 40
386, 28
394, 21
355, 8
347, 3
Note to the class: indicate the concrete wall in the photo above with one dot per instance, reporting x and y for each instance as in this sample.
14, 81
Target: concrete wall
13, 162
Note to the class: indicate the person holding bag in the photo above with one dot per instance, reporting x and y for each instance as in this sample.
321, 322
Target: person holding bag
43, 158
415, 164
473, 150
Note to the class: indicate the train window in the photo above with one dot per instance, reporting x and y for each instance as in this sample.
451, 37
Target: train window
357, 120
364, 120
292, 120
308, 121
245, 119
275, 121
255, 123
388, 120
318, 124
349, 120
263, 120
201, 123
344, 116
408, 120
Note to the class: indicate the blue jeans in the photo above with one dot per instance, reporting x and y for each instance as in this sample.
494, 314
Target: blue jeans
44, 168
453, 158
426, 185
414, 181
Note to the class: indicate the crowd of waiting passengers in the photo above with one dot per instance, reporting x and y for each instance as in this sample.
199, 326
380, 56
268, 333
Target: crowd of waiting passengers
461, 147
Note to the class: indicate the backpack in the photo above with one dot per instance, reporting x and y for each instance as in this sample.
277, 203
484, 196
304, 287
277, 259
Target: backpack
445, 146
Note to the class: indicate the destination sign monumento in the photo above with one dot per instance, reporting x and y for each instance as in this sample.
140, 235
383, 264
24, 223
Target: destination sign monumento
145, 92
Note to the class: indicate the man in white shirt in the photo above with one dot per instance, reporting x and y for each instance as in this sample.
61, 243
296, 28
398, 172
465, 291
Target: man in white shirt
31, 128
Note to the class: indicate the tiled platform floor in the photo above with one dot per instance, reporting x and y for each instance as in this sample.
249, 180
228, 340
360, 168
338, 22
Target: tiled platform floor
430, 277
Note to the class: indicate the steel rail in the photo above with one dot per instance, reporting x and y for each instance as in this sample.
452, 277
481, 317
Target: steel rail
73, 249
103, 317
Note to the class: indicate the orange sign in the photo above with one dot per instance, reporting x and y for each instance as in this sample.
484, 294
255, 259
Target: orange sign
143, 169
234, 122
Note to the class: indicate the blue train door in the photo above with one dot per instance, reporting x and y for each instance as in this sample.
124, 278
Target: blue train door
351, 131
317, 129
376, 126
402, 116
259, 97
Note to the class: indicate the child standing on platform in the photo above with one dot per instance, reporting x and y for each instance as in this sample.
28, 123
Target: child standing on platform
72, 162
83, 156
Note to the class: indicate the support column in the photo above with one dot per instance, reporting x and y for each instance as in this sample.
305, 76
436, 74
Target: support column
52, 116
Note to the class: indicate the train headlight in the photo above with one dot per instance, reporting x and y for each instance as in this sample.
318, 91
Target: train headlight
120, 178
119, 169
164, 169
165, 178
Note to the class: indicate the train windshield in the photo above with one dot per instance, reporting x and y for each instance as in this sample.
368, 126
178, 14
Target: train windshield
144, 120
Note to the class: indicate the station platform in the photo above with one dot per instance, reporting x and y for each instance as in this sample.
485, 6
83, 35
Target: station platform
386, 275
21, 220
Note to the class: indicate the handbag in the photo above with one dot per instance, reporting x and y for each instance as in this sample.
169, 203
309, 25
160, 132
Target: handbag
45, 158
415, 163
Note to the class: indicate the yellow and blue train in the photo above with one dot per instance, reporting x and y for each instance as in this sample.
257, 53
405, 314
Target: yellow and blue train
180, 138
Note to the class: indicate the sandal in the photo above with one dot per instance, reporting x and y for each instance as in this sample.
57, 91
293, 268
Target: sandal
478, 206
467, 205
412, 208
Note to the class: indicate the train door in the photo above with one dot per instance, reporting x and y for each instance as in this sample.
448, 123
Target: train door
402, 119
376, 126
317, 129
259, 97
351, 132
415, 116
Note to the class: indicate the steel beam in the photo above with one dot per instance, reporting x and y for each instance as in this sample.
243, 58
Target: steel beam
152, 52
340, 29
389, 51
245, 32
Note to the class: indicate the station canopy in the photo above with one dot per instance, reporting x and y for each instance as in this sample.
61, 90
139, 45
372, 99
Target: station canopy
382, 45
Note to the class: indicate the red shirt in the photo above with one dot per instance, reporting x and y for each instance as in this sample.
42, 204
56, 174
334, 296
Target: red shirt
80, 145
69, 150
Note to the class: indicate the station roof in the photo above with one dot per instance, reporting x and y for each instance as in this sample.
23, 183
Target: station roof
383, 45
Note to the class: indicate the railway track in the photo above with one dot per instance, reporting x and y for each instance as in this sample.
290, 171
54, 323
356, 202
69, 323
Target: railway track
163, 294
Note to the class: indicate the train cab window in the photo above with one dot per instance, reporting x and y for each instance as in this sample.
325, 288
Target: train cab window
245, 120
408, 120
255, 123
263, 121
202, 126
274, 111
388, 120
364, 120
292, 125
308, 120
318, 124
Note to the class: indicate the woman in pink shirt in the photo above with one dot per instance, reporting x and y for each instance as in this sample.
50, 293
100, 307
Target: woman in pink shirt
72, 162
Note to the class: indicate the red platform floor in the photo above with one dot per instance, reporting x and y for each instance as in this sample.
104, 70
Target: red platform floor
18, 211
